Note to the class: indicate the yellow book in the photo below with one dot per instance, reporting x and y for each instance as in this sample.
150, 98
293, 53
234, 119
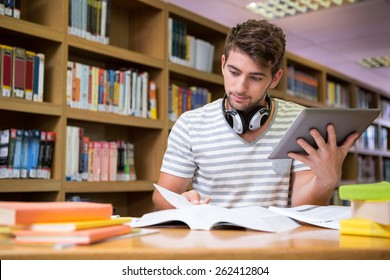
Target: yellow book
357, 226
360, 241
77, 225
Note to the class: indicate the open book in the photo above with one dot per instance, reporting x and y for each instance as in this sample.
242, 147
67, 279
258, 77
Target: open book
272, 219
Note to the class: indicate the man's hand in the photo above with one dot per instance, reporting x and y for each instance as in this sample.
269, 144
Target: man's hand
195, 198
326, 165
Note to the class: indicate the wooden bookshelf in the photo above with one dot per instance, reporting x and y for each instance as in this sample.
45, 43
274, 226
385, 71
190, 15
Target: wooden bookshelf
138, 38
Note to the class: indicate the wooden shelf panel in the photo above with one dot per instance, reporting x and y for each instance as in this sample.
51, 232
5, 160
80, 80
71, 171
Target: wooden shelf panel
21, 105
29, 185
111, 118
91, 49
304, 102
104, 187
185, 72
29, 29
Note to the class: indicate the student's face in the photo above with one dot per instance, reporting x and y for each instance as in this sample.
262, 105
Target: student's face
245, 82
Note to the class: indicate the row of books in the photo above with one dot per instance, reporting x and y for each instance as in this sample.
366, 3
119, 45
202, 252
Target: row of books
366, 169
21, 73
364, 98
374, 138
301, 84
60, 223
125, 91
385, 109
10, 8
371, 139
337, 95
90, 19
88, 160
26, 153
182, 99
188, 50
386, 169
370, 209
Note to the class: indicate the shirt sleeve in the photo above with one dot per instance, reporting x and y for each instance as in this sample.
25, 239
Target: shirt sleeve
178, 159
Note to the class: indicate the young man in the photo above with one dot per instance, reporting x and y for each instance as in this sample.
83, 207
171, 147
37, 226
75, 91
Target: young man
223, 147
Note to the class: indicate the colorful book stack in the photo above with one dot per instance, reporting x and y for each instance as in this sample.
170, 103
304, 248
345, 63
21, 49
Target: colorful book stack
61, 222
370, 209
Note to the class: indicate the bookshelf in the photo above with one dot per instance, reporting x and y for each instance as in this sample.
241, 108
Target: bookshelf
43, 27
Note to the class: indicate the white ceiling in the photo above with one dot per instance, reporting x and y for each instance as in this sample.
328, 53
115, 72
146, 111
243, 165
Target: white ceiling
336, 38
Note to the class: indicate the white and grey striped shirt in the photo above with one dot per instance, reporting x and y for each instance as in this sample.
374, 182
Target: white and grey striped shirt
233, 172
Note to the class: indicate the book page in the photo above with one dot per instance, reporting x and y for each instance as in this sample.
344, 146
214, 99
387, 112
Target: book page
322, 216
207, 216
173, 198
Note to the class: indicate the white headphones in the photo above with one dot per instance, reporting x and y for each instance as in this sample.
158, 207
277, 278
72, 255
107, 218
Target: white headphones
254, 119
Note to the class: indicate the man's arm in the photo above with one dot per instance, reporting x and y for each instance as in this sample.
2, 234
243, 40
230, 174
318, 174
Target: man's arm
317, 185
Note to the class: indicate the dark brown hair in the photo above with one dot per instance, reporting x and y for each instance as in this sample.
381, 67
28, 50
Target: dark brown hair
262, 41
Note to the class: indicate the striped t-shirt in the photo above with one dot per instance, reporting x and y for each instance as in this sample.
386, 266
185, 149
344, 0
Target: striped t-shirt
233, 172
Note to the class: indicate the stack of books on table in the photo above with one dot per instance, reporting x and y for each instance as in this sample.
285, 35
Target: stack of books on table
370, 209
60, 222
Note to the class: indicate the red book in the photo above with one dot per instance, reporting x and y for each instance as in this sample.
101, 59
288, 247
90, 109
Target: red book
25, 213
19, 72
28, 92
6, 70
86, 236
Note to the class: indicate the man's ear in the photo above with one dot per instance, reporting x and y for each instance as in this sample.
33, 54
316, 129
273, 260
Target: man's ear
276, 78
223, 61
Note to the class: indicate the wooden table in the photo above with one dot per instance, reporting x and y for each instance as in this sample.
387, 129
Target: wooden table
305, 242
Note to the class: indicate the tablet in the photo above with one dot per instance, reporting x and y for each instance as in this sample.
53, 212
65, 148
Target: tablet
346, 121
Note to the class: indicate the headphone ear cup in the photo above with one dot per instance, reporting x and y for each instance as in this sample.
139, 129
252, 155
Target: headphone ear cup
237, 121
257, 118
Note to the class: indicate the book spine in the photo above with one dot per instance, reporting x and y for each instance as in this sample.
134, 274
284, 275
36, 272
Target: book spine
84, 159
42, 147
131, 162
364, 228
17, 164
115, 107
101, 107
90, 160
35, 138
39, 77
69, 83
25, 154
79, 151
97, 158
94, 88
152, 100
4, 152
7, 70
2, 8
49, 154
16, 11
19, 73
105, 161
121, 161
28, 92
11, 151
9, 7
84, 86
113, 164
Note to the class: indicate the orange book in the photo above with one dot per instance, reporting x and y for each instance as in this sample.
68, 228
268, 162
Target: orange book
86, 236
25, 213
